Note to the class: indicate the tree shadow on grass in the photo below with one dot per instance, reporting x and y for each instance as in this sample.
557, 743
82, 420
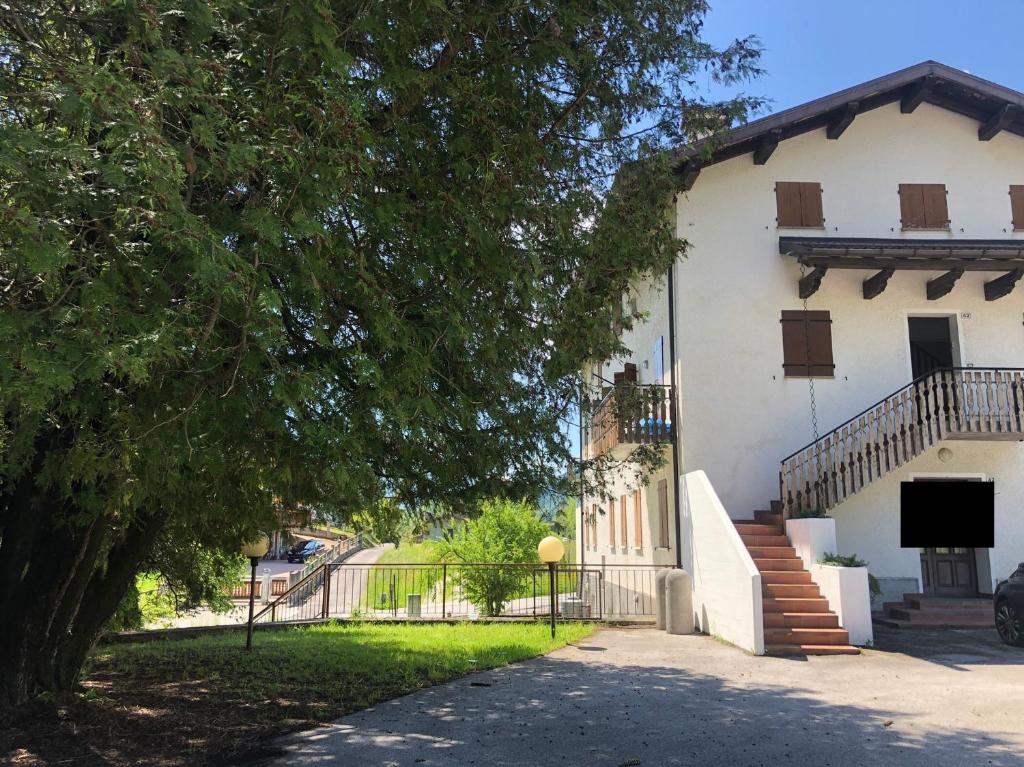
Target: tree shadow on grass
558, 711
207, 702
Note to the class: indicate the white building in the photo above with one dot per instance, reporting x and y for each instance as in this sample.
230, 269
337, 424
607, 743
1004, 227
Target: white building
871, 238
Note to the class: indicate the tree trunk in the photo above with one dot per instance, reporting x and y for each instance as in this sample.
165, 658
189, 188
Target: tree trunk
61, 580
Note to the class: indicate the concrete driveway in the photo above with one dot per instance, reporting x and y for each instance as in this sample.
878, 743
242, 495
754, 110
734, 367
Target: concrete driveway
640, 697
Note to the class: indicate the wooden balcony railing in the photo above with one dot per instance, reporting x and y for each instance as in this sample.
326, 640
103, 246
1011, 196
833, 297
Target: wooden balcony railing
950, 403
631, 414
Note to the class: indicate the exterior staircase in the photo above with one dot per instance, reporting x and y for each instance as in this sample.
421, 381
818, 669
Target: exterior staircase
948, 403
797, 619
919, 611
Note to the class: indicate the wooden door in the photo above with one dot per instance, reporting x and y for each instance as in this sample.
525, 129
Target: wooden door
949, 572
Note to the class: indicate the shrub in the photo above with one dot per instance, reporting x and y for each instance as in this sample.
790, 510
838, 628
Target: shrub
505, 532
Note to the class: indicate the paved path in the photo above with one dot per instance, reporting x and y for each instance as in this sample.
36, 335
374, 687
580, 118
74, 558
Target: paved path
640, 697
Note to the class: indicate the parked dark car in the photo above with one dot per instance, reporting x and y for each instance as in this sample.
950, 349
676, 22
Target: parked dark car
302, 550
1009, 604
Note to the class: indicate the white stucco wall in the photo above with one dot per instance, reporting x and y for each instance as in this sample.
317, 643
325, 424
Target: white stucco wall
739, 415
650, 553
868, 524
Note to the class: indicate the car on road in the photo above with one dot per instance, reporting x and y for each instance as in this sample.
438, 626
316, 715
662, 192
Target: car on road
1009, 606
303, 550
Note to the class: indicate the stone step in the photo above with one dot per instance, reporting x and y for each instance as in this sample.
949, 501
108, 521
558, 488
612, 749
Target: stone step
771, 552
912, 618
790, 590
785, 576
780, 564
801, 620
806, 636
809, 649
795, 605
756, 528
768, 517
765, 540
929, 604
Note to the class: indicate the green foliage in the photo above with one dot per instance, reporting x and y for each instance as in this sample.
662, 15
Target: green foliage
564, 523
809, 513
504, 532
842, 560
319, 253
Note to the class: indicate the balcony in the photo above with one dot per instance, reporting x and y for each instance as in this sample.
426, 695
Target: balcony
631, 414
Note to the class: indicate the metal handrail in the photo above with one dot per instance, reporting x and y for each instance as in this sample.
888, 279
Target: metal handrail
324, 567
917, 380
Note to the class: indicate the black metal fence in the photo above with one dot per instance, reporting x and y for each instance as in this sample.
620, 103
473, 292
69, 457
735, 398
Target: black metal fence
467, 592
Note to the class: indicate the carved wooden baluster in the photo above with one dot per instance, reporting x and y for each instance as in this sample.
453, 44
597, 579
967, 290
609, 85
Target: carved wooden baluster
1004, 401
1016, 401
990, 403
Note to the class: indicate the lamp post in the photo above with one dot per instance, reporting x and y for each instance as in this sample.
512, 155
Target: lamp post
550, 551
255, 550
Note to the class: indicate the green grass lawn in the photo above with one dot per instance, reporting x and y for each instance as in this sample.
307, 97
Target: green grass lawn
206, 701
388, 579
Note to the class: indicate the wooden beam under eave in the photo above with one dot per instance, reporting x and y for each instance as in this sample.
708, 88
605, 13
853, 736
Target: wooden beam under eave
942, 284
767, 146
916, 95
841, 123
810, 283
690, 172
1002, 286
997, 122
874, 285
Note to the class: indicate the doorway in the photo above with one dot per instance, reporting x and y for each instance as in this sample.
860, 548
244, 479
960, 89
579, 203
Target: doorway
949, 572
931, 344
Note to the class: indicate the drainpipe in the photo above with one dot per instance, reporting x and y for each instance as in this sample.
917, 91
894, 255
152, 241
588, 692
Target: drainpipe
673, 410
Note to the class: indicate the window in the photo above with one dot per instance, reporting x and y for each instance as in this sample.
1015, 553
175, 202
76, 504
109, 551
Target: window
624, 523
923, 206
798, 203
611, 524
1017, 206
807, 344
638, 521
663, 513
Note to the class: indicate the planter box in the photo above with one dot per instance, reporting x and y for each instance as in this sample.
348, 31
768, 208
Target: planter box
845, 588
848, 594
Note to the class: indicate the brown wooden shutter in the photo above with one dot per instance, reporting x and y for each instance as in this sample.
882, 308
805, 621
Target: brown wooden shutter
1017, 206
787, 203
638, 520
923, 206
912, 206
936, 212
807, 343
663, 513
611, 524
810, 204
624, 522
798, 203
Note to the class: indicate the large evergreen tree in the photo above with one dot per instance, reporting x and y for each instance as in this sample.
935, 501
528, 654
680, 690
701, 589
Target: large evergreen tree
305, 251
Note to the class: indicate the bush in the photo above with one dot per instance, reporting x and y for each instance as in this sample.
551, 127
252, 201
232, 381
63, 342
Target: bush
505, 532
811, 513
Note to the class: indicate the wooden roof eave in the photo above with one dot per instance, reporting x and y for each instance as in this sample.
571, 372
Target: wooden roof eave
997, 109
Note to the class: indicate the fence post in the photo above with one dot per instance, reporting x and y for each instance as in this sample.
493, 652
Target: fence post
444, 590
327, 589
600, 595
533, 572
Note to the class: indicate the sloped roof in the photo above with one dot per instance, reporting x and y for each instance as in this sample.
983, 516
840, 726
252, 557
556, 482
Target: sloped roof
996, 108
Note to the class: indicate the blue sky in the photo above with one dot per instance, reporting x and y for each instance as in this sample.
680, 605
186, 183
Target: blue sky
816, 47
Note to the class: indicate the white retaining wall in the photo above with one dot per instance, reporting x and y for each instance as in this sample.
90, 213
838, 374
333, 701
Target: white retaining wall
726, 582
